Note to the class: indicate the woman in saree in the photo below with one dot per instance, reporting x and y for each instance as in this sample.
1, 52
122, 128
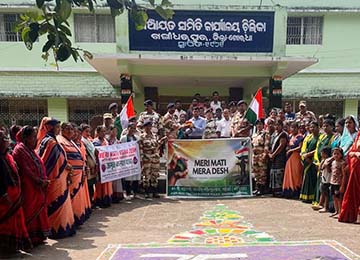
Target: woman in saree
103, 191
350, 209
79, 143
339, 129
325, 139
308, 148
349, 134
13, 232
90, 161
118, 191
277, 156
61, 215
34, 185
77, 163
294, 167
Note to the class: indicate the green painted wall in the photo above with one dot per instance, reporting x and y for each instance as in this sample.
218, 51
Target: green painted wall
58, 108
351, 107
14, 55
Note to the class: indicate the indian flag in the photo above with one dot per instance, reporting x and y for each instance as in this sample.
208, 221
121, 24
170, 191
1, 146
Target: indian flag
255, 110
126, 113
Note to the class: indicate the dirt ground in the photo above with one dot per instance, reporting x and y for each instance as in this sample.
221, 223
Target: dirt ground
144, 221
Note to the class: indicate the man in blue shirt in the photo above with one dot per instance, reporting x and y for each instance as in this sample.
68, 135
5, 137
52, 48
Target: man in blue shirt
289, 114
199, 124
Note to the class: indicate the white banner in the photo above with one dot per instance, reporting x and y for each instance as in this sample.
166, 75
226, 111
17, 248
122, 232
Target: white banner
119, 161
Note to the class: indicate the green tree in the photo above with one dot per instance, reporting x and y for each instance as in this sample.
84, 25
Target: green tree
51, 20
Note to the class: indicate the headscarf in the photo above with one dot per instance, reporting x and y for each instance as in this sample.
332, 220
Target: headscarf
347, 139
43, 129
19, 135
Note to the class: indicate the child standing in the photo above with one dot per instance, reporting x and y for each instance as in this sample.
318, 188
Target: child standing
325, 171
337, 172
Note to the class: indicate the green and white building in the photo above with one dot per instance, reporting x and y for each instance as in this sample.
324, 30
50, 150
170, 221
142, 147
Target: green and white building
311, 45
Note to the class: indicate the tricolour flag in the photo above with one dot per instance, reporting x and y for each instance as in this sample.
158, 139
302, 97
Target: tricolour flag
126, 113
255, 110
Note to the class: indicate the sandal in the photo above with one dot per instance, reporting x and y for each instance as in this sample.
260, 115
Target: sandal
323, 210
334, 215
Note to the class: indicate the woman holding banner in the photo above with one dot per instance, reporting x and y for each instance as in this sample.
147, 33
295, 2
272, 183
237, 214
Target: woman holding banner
103, 191
132, 182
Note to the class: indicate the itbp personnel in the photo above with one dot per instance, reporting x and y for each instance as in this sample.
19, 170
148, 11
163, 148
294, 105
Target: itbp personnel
149, 144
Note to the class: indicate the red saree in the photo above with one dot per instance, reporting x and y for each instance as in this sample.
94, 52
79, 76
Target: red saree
351, 202
13, 233
103, 191
32, 172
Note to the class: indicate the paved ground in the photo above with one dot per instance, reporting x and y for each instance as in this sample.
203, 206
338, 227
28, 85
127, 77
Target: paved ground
156, 221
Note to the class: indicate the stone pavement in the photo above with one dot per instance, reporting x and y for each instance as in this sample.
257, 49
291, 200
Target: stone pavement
144, 221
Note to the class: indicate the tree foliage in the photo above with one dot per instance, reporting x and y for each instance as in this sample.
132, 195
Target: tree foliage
51, 21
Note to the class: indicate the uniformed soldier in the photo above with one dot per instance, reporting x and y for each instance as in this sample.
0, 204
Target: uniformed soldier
113, 108
237, 118
150, 114
210, 128
169, 122
232, 109
149, 144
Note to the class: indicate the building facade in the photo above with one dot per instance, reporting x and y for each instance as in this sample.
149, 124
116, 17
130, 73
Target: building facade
310, 45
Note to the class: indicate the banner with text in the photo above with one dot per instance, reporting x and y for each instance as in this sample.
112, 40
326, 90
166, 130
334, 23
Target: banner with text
209, 168
119, 161
205, 31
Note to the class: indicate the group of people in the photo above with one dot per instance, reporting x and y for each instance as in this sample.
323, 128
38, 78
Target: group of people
316, 160
50, 181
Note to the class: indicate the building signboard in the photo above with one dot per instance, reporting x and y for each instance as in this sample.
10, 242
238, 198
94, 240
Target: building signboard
205, 31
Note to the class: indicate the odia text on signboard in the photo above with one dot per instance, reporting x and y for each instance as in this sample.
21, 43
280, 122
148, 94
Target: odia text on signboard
205, 31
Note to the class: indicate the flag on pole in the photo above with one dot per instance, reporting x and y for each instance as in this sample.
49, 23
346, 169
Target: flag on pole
122, 120
126, 113
255, 110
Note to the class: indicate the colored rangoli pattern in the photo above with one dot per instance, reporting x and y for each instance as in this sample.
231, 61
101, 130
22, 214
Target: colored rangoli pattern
221, 227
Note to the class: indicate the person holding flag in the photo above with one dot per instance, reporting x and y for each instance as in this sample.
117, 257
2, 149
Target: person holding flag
255, 110
126, 115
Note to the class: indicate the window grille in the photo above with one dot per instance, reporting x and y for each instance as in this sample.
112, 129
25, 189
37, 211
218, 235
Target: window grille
94, 28
7, 24
82, 111
22, 112
304, 30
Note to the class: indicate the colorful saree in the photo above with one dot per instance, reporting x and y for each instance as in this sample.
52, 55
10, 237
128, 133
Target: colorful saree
351, 203
76, 187
13, 233
308, 189
60, 212
293, 170
32, 172
103, 191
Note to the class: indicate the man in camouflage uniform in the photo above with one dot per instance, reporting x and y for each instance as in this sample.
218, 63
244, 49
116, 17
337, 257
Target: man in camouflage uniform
237, 119
210, 128
150, 114
169, 122
149, 144
304, 115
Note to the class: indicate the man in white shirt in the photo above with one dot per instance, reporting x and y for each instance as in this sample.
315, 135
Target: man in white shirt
215, 103
224, 125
